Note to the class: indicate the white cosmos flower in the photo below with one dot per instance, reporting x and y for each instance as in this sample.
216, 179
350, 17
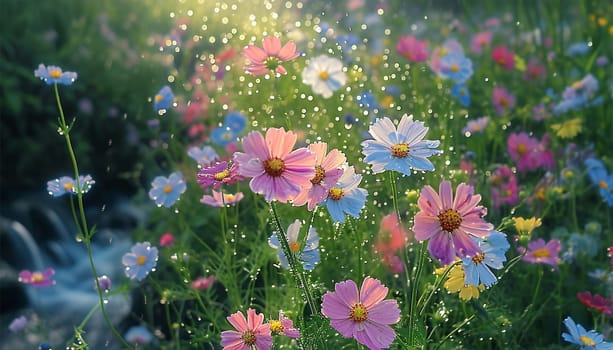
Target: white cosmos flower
325, 75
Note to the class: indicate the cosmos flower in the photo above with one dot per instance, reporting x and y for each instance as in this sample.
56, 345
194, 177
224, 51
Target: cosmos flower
539, 252
448, 47
250, 332
54, 75
219, 199
502, 100
587, 340
277, 172
66, 185
269, 57
578, 95
284, 326
600, 177
503, 57
399, 149
448, 223
392, 239
163, 100
480, 41
140, 261
525, 150
328, 169
167, 239
325, 75
412, 49
309, 255
504, 188
165, 191
36, 278
345, 197
362, 314
138, 335
217, 175
203, 282
204, 156
596, 302
476, 126
477, 268
568, 129
456, 66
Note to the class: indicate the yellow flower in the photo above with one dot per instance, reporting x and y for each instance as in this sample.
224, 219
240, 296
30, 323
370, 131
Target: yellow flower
526, 226
568, 129
455, 283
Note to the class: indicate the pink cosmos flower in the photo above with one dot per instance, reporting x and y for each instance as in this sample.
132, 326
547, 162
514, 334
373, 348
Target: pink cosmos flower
534, 71
529, 153
277, 172
203, 282
36, 278
167, 239
540, 252
504, 188
503, 100
503, 57
412, 49
270, 56
364, 314
250, 332
284, 326
480, 41
218, 199
392, 239
449, 223
328, 169
217, 175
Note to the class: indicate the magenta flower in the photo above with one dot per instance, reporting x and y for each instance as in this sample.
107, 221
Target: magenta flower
277, 172
503, 57
36, 278
328, 169
412, 49
503, 100
284, 326
540, 252
218, 174
270, 56
219, 199
480, 41
250, 332
364, 314
504, 188
203, 282
529, 153
449, 223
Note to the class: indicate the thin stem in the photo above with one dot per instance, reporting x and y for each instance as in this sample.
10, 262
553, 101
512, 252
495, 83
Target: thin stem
87, 233
294, 267
436, 286
440, 343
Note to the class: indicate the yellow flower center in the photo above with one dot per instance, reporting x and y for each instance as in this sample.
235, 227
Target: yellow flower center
335, 193
274, 167
294, 247
319, 175
228, 198
276, 326
221, 175
587, 341
541, 253
541, 194
400, 150
358, 313
159, 98
68, 186
323, 75
603, 184
248, 338
450, 220
504, 102
167, 188
37, 277
141, 260
478, 258
576, 85
407, 54
521, 148
455, 68
55, 73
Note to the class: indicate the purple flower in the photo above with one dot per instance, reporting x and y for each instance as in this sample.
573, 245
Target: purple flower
18, 324
36, 278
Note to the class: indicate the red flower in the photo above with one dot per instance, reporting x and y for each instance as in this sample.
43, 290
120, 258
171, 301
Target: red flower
596, 302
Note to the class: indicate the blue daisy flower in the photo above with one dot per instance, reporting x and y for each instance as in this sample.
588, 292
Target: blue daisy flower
66, 185
457, 67
223, 135
236, 122
166, 191
588, 340
399, 150
54, 75
205, 155
477, 268
163, 100
461, 92
309, 255
600, 177
345, 197
140, 261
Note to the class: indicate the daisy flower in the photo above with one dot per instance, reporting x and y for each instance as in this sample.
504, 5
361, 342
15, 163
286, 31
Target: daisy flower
345, 197
325, 75
448, 223
67, 185
205, 155
457, 67
328, 169
456, 283
587, 340
54, 75
165, 191
250, 332
309, 255
269, 57
141, 260
399, 149
277, 172
362, 314
477, 267
163, 100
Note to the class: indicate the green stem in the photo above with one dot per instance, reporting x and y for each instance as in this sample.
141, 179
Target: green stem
436, 286
87, 233
295, 269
